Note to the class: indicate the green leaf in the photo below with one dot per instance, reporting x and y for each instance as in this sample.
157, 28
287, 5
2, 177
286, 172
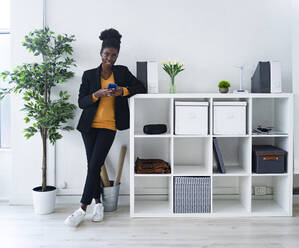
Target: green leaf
33, 79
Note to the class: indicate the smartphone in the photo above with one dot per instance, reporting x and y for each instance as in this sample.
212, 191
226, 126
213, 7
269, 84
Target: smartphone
111, 86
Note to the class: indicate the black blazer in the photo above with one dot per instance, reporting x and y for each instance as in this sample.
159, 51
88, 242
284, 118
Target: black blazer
91, 83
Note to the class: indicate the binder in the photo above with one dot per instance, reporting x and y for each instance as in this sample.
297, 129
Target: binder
218, 155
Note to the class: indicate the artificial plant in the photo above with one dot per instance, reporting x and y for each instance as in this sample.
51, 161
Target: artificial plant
36, 80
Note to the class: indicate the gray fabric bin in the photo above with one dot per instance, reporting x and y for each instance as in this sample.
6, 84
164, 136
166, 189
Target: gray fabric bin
192, 194
268, 159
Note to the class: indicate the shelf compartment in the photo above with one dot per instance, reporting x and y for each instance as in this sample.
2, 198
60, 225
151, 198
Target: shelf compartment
236, 154
229, 207
281, 142
231, 195
191, 117
152, 196
152, 111
153, 148
191, 194
151, 208
192, 156
267, 208
235, 101
271, 112
275, 204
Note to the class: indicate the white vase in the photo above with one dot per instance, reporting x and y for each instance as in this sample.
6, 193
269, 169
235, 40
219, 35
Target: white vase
44, 201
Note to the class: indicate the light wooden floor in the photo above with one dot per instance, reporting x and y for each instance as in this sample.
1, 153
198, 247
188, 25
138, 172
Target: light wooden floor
21, 228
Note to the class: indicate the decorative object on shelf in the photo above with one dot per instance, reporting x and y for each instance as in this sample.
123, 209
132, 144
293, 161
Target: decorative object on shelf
147, 73
267, 78
155, 129
268, 159
151, 166
218, 156
36, 80
173, 67
263, 130
241, 90
223, 86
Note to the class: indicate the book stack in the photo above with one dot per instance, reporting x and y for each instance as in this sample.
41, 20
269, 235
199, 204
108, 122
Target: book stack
192, 195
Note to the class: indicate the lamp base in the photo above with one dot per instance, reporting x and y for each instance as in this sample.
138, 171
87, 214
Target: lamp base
240, 91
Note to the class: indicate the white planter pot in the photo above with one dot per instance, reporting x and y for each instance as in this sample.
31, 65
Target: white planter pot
44, 202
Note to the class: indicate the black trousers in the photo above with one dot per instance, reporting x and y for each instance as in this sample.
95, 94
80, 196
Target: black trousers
98, 142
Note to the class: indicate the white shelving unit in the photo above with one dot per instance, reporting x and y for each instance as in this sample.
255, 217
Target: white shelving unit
192, 155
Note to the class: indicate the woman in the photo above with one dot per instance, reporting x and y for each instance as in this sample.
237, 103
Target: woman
104, 112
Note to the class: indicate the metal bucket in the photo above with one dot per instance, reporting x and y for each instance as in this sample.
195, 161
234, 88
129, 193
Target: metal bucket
110, 197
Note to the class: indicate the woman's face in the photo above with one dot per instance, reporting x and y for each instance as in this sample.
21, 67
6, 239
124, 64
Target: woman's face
109, 56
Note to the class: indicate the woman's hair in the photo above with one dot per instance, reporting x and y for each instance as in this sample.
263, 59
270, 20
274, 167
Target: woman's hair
110, 38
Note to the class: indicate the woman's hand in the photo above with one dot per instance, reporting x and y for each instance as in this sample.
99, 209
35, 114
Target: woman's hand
103, 93
118, 91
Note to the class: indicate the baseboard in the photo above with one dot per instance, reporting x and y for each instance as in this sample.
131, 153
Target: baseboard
122, 200
4, 199
75, 199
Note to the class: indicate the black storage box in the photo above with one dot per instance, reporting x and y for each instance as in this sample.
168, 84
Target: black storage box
268, 159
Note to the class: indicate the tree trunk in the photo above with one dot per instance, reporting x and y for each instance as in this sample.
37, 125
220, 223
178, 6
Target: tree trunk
44, 168
45, 137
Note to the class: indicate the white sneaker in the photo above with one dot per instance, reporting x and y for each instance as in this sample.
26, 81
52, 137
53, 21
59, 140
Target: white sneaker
75, 218
98, 212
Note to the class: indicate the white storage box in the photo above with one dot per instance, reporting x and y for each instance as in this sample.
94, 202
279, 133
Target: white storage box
229, 118
191, 117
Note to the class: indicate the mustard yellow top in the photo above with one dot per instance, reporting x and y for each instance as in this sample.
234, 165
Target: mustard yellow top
104, 117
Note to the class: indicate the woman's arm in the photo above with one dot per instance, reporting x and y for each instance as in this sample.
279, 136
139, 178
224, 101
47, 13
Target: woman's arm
134, 85
85, 98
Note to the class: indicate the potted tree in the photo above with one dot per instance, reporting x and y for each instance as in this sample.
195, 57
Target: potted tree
223, 86
45, 115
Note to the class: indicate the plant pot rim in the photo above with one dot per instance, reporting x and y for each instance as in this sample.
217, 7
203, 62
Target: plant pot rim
48, 188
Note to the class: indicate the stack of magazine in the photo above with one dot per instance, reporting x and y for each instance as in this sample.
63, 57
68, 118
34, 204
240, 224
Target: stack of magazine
192, 194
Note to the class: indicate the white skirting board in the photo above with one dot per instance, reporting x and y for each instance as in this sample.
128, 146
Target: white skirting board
123, 199
73, 199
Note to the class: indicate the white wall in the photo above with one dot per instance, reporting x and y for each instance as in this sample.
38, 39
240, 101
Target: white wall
210, 37
5, 173
295, 75
5, 123
26, 154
